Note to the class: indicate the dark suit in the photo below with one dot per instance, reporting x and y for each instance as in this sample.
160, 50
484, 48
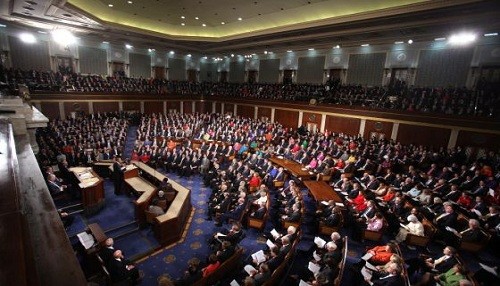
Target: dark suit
117, 177
396, 280
118, 271
106, 254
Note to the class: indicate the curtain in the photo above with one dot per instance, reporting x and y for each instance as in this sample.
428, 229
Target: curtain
311, 69
140, 65
237, 71
92, 60
448, 67
208, 72
176, 69
269, 71
29, 56
366, 69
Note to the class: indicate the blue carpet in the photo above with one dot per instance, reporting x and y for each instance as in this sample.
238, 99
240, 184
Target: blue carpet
129, 144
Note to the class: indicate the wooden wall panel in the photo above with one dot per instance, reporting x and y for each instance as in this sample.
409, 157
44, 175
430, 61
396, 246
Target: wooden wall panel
205, 107
247, 111
342, 124
309, 117
422, 135
218, 107
379, 127
80, 106
188, 107
132, 105
476, 139
50, 109
173, 105
105, 106
151, 107
264, 112
228, 108
287, 118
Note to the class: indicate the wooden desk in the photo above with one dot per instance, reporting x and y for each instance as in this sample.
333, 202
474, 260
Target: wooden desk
321, 191
168, 228
91, 187
147, 190
293, 167
98, 233
130, 171
102, 167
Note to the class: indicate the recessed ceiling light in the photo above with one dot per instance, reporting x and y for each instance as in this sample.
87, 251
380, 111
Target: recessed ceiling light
232, 55
196, 18
239, 19
398, 42
110, 5
410, 41
183, 24
365, 45
128, 46
289, 51
3, 25
265, 52
491, 34
130, 2
337, 47
105, 42
172, 52
183, 17
310, 49
188, 55
439, 39
223, 23
151, 50
42, 32
204, 25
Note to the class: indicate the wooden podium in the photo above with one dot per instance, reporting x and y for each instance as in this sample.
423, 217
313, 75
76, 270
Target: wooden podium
91, 188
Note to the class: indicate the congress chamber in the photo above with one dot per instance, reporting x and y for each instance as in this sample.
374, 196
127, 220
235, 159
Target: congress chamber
250, 143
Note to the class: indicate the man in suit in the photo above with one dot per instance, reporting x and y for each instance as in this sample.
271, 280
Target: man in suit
234, 214
106, 253
393, 278
121, 269
56, 189
118, 175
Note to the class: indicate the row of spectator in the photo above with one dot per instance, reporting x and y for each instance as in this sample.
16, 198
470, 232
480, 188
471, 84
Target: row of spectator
451, 100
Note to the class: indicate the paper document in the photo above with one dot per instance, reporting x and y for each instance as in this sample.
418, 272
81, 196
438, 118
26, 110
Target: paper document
316, 256
324, 203
338, 189
340, 204
451, 229
492, 270
259, 256
274, 233
270, 244
314, 268
234, 283
87, 240
344, 193
367, 274
220, 234
367, 256
303, 283
249, 269
403, 226
319, 242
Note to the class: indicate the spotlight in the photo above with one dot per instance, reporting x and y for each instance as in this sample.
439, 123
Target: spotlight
27, 38
410, 41
462, 39
63, 37
128, 46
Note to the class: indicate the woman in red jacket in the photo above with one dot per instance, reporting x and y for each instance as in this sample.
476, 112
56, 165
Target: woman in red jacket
213, 264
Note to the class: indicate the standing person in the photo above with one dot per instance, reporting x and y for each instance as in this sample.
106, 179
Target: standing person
118, 175
121, 269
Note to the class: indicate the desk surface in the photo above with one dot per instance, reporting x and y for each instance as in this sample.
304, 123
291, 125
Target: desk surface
293, 167
159, 176
98, 233
321, 191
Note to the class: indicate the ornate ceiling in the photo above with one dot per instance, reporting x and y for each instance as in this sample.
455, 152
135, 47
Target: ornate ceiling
213, 26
